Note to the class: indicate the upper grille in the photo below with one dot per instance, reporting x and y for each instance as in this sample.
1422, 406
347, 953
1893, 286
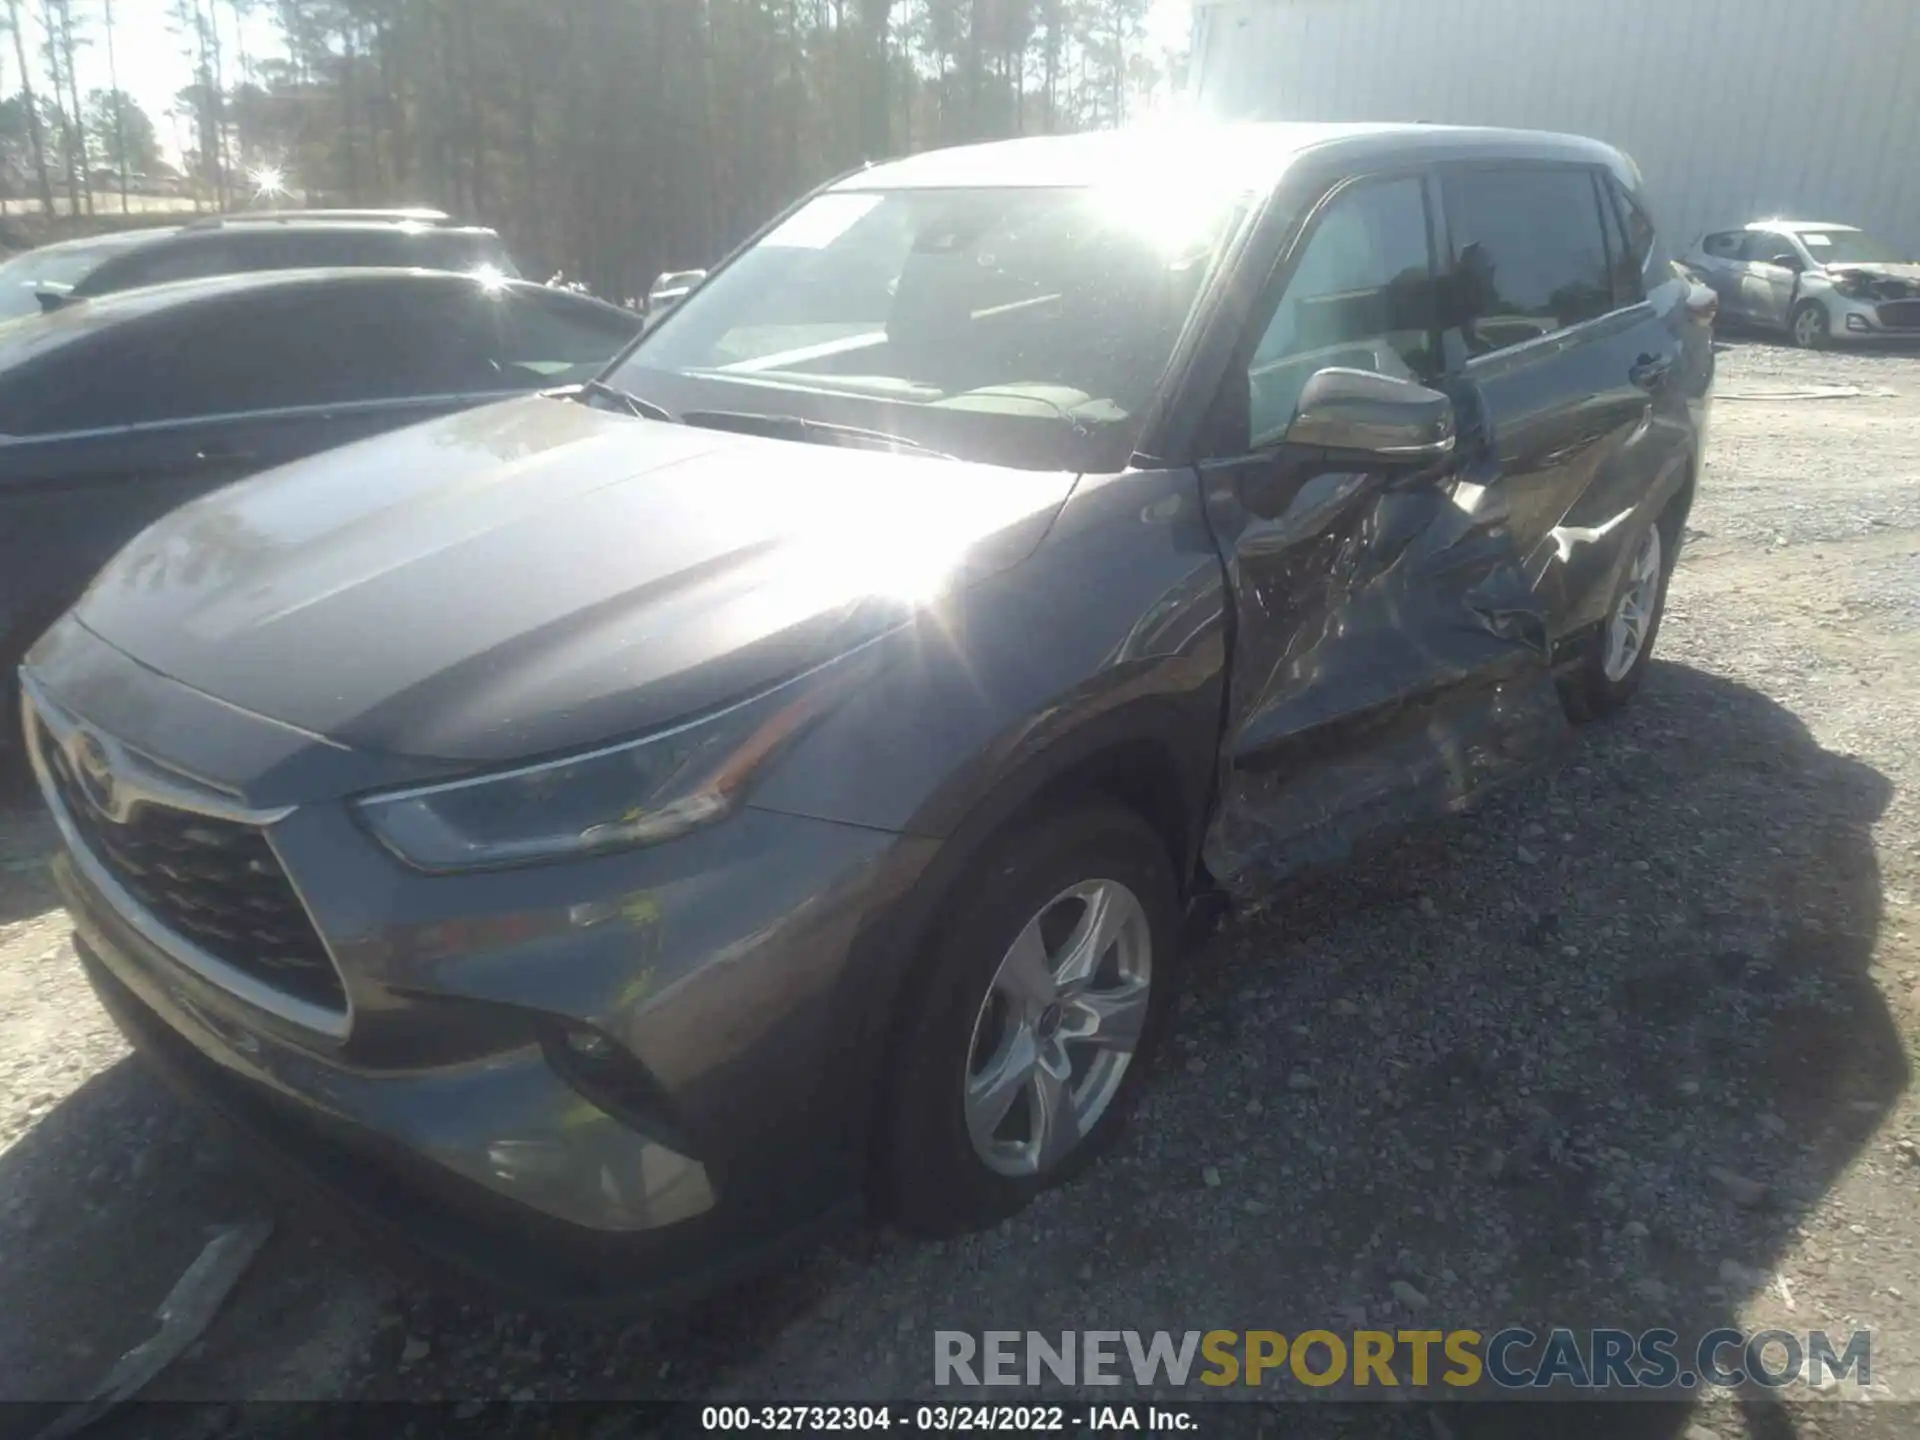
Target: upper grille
212, 881
1900, 314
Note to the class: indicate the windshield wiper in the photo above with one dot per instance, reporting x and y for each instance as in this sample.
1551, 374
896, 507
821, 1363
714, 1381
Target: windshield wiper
632, 404
798, 427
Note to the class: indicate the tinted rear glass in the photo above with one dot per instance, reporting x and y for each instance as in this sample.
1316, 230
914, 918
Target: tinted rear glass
62, 265
1529, 252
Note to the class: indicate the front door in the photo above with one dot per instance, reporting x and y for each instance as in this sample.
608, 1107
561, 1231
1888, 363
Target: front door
1767, 292
1389, 660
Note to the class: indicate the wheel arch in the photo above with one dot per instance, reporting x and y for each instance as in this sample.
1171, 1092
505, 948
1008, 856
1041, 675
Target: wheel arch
1154, 756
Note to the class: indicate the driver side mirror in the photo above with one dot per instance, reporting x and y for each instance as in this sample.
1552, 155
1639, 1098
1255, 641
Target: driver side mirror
1375, 419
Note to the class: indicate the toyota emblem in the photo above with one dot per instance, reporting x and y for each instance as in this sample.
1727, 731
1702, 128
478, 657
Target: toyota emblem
96, 770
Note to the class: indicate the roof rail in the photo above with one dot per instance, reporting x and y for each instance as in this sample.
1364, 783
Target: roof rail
407, 215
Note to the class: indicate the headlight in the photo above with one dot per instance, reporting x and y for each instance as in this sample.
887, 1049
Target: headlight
639, 793
1848, 284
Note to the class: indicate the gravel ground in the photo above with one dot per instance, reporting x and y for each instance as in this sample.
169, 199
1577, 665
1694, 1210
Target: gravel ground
1629, 1047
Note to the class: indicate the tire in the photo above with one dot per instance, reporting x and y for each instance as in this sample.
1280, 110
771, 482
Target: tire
1809, 326
968, 1008
1604, 679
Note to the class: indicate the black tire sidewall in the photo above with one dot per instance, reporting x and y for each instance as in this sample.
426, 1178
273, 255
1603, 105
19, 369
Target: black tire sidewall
932, 1181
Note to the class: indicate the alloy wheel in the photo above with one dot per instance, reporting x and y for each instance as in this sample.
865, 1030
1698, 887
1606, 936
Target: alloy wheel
1633, 612
1809, 327
1058, 1028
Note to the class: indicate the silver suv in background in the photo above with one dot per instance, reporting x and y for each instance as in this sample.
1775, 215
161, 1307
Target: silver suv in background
1815, 281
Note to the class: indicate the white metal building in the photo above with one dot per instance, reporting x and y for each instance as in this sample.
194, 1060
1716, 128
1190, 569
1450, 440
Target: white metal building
1735, 110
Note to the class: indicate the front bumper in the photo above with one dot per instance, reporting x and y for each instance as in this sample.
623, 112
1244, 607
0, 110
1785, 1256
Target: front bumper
739, 970
1874, 319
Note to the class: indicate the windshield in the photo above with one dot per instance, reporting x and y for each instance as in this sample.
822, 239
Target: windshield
984, 323
66, 265
1848, 247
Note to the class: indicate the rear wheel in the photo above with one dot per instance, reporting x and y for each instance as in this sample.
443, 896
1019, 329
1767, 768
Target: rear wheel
1809, 326
1029, 1031
1616, 659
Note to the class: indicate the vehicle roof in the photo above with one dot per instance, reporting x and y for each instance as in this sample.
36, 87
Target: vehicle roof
247, 223
1800, 227
1247, 155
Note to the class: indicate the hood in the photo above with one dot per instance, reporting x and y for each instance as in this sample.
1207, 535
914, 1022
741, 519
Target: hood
539, 575
1902, 279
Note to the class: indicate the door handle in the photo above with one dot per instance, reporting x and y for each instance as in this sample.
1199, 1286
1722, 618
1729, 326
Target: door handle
1650, 370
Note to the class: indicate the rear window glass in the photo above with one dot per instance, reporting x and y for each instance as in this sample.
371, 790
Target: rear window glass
1529, 253
63, 265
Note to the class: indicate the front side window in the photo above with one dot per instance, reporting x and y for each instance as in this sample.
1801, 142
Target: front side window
1769, 247
1359, 296
1020, 306
1528, 251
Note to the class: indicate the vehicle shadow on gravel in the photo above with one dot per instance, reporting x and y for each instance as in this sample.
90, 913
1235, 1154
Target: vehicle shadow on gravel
1584, 1058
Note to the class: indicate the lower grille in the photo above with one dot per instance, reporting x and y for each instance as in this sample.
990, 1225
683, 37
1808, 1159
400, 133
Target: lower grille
1900, 314
214, 882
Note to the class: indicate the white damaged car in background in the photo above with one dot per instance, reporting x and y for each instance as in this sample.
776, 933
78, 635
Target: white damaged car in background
1816, 282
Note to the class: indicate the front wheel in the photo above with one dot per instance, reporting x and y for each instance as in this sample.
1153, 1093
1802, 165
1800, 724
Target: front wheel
1616, 659
1030, 1026
1809, 326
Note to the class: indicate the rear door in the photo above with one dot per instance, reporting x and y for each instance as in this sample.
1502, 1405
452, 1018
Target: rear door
1719, 262
1389, 661
1569, 369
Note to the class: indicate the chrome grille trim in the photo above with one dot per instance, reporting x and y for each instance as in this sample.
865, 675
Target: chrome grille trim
147, 783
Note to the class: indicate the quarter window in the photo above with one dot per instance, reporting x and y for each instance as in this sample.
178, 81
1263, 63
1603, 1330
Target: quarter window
1528, 252
1361, 296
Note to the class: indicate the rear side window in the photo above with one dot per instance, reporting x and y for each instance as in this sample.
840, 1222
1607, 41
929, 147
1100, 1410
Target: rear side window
1722, 247
1643, 239
1529, 253
347, 248
190, 258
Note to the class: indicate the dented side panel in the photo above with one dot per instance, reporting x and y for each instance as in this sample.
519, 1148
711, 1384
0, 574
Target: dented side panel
1390, 662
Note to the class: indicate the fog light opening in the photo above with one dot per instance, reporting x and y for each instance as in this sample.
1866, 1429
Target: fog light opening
604, 1072
1855, 322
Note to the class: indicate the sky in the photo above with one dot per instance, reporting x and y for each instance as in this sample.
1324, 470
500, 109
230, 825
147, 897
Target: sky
153, 65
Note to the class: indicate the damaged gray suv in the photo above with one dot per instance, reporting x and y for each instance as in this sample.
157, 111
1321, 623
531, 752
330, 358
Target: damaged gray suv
617, 833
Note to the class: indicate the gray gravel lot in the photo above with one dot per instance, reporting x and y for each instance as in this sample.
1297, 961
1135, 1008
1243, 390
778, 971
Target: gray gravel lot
1629, 1047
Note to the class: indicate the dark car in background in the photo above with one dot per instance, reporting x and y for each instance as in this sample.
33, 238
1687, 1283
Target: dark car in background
248, 241
113, 411
1815, 282
617, 835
